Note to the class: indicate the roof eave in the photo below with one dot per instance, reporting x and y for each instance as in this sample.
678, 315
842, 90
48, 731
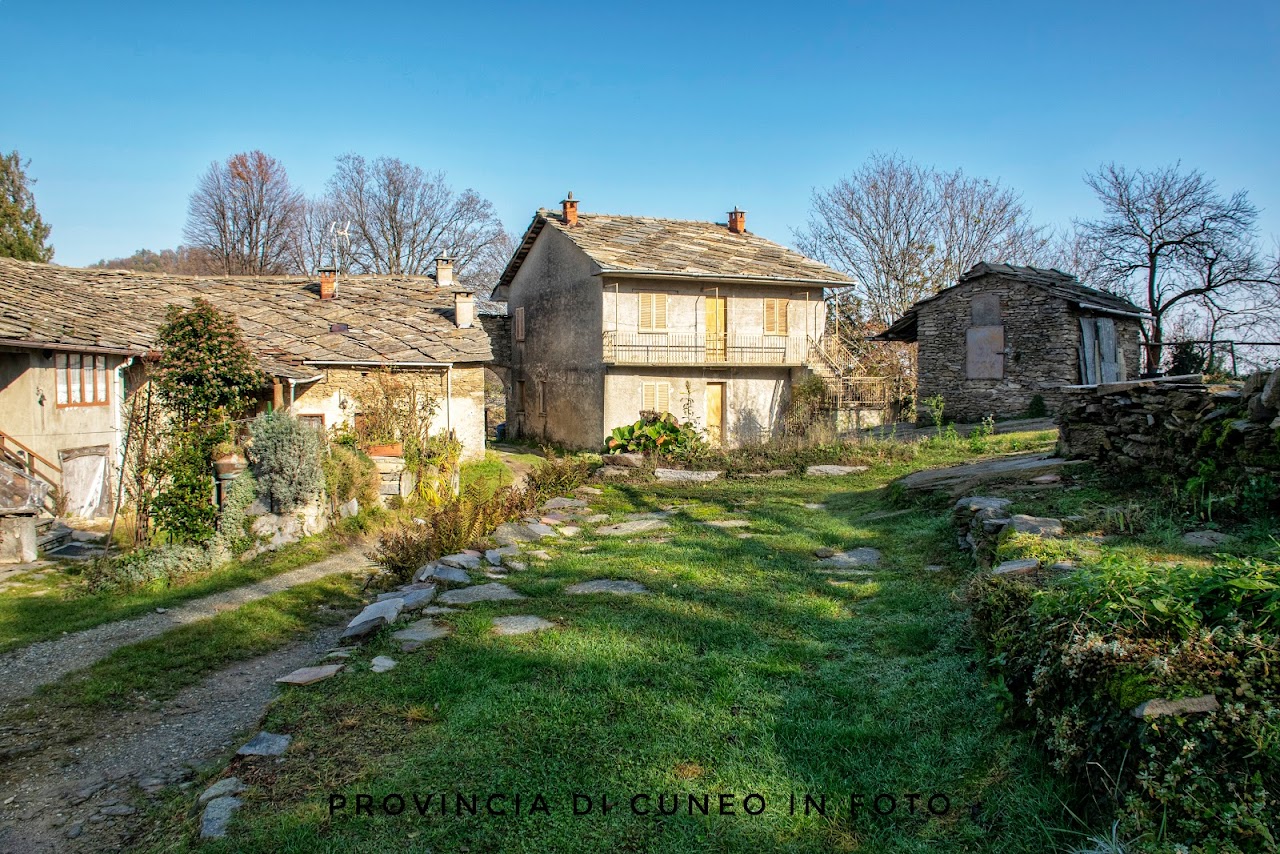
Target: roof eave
623, 273
71, 348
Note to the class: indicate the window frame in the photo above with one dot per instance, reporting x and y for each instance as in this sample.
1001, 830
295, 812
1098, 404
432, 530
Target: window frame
653, 298
781, 309
657, 386
99, 379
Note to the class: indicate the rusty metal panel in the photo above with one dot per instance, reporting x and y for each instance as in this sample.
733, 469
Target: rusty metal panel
985, 353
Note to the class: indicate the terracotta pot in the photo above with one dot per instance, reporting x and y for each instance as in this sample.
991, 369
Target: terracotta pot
395, 449
228, 465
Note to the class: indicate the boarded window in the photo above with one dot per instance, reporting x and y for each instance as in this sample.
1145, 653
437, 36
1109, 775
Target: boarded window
775, 316
984, 351
518, 324
81, 380
519, 395
985, 310
1101, 359
653, 312
315, 422
656, 397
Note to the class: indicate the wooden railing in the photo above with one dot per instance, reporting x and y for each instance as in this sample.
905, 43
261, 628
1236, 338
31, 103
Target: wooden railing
695, 348
28, 461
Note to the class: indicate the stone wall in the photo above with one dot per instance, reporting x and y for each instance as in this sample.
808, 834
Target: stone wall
1041, 354
1174, 423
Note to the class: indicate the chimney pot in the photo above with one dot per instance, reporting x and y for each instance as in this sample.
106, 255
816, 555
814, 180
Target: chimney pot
570, 210
737, 220
444, 270
464, 309
328, 282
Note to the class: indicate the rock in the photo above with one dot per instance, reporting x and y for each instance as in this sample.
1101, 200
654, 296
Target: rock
779, 473
843, 571
1188, 706
74, 831
213, 824
975, 504
684, 476
562, 503
265, 744
570, 531
1017, 567
416, 634
635, 526
419, 596
518, 566
451, 574
957, 480
461, 561
542, 530
540, 554
934, 567
521, 624
310, 675
1205, 539
374, 617
728, 523
1063, 566
588, 490
607, 585
483, 593
628, 460
833, 471
1271, 391
812, 506
439, 609
1045, 479
118, 810
495, 556
823, 552
854, 557
1036, 525
649, 514
348, 509
381, 664
596, 519
225, 786
510, 533
339, 653
610, 472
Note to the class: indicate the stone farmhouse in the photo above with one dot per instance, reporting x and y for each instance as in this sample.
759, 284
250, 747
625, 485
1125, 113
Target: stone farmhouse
612, 316
74, 346
1003, 335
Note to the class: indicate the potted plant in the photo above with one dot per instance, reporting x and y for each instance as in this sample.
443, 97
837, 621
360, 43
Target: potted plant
228, 459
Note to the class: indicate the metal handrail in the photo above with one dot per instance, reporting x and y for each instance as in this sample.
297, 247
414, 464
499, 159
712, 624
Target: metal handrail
696, 348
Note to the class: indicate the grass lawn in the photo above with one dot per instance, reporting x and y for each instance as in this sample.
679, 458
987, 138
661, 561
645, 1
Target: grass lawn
36, 609
745, 671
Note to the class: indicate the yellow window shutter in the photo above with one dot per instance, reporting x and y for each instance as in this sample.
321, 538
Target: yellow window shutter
648, 397
663, 397
775, 316
646, 311
659, 311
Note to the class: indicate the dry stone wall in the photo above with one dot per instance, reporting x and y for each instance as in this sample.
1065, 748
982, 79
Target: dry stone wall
1175, 423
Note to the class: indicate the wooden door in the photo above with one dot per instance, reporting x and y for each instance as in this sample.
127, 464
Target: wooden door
715, 413
716, 350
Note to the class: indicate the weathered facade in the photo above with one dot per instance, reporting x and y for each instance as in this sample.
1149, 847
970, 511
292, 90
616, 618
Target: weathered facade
612, 316
1004, 335
74, 344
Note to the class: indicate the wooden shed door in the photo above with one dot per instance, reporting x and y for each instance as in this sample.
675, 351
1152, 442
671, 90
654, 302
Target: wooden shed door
1100, 357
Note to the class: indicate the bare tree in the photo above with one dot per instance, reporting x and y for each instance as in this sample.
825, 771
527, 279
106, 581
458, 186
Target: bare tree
320, 239
1170, 242
905, 231
402, 217
486, 266
244, 212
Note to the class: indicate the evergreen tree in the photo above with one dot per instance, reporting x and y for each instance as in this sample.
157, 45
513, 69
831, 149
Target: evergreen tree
23, 234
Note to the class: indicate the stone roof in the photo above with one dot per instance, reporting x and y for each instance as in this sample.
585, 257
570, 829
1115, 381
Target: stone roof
638, 244
1053, 281
390, 319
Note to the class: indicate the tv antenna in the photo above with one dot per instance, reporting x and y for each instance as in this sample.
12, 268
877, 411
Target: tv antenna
335, 235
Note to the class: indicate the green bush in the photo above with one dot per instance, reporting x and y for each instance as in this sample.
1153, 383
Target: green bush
1079, 655
654, 432
348, 474
286, 457
233, 537
183, 508
1037, 408
558, 474
159, 567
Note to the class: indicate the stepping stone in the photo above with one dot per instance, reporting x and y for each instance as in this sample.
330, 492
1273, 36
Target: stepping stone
339, 653
649, 514
416, 634
510, 533
542, 530
310, 675
439, 609
833, 471
1187, 706
473, 552
842, 571
629, 459
555, 517
521, 624
461, 561
1037, 525
815, 506
745, 536
854, 557
496, 574
562, 503
1205, 539
495, 556
606, 585
610, 472
381, 664
540, 554
728, 523
224, 787
416, 599
570, 531
588, 490
684, 476
374, 617
450, 573
266, 744
596, 519
213, 824
518, 566
483, 593
1017, 567
635, 526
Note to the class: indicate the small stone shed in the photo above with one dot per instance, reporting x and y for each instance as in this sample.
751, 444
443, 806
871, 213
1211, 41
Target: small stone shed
1004, 334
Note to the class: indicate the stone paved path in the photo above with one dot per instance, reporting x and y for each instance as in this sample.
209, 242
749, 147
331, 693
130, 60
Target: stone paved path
24, 670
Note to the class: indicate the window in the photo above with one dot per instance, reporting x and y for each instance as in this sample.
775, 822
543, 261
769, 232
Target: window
519, 323
519, 395
82, 379
775, 316
315, 422
655, 397
653, 312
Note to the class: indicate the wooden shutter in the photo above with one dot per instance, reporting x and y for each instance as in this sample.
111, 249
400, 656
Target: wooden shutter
775, 316
519, 324
653, 311
664, 397
655, 397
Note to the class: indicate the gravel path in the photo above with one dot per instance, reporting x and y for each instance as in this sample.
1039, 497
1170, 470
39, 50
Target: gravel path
24, 670
80, 785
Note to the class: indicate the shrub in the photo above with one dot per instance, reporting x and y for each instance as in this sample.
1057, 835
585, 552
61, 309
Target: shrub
182, 509
233, 537
286, 458
205, 370
654, 432
980, 433
557, 474
163, 566
403, 547
1078, 656
1037, 408
808, 400
348, 474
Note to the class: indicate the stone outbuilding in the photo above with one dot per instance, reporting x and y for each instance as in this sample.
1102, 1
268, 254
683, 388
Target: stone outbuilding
1003, 335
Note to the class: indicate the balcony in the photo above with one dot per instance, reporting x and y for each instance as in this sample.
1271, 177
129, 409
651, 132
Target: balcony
694, 348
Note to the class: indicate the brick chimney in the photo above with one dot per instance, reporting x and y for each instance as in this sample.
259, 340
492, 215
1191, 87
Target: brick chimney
570, 210
464, 308
737, 220
444, 270
328, 282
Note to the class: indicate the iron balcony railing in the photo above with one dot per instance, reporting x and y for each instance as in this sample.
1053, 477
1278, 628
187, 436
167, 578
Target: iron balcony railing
696, 348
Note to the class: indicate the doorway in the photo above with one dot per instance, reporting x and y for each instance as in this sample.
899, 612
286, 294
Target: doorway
715, 413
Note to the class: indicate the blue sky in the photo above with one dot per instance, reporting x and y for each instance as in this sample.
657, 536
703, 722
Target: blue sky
680, 110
